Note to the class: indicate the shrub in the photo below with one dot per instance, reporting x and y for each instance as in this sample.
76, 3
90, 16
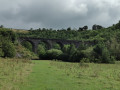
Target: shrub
86, 60
88, 53
56, 46
53, 54
68, 53
8, 49
65, 48
64, 57
27, 45
77, 56
101, 54
41, 52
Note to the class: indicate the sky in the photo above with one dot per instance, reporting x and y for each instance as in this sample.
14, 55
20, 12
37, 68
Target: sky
58, 14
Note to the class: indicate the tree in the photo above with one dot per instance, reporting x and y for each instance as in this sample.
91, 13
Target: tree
27, 45
54, 54
56, 46
8, 49
69, 29
96, 27
1, 26
101, 53
85, 27
80, 29
31, 29
71, 50
41, 52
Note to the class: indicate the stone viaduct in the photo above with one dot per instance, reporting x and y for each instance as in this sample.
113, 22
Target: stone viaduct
49, 42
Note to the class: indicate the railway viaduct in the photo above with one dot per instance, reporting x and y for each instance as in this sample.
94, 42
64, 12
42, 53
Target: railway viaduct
49, 42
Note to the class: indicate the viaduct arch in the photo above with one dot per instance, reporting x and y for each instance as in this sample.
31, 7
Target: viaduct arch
35, 42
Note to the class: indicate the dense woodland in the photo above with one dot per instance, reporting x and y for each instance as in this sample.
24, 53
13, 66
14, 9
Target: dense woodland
105, 51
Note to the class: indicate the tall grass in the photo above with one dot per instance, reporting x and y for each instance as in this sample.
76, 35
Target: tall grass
13, 73
91, 75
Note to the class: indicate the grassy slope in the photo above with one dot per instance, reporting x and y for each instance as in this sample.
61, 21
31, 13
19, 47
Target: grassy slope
49, 75
20, 31
25, 53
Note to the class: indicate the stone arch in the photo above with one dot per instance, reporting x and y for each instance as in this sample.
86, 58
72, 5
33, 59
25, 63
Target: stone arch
32, 43
48, 44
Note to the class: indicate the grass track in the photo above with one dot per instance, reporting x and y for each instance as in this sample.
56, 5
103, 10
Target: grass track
51, 75
46, 77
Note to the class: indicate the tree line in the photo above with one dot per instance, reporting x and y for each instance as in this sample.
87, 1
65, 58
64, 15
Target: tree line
105, 51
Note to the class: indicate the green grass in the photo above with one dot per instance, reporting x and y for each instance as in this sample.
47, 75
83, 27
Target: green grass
53, 75
92, 76
47, 77
13, 73
19, 74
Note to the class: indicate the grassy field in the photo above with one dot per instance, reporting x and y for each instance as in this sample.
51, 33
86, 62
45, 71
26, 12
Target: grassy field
92, 76
13, 73
54, 75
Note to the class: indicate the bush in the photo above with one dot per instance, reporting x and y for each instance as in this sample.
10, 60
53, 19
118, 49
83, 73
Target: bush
27, 45
85, 60
68, 53
77, 56
54, 54
64, 57
8, 49
41, 52
56, 46
101, 54
65, 48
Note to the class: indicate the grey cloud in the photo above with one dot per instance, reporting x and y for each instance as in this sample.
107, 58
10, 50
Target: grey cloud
58, 13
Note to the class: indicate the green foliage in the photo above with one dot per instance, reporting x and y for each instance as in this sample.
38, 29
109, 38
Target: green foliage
78, 54
8, 49
44, 45
65, 48
53, 54
101, 53
7, 38
114, 48
56, 46
109, 36
10, 35
68, 53
27, 45
22, 52
41, 51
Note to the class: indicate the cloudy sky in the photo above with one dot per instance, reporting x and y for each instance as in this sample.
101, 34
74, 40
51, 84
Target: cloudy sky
57, 14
